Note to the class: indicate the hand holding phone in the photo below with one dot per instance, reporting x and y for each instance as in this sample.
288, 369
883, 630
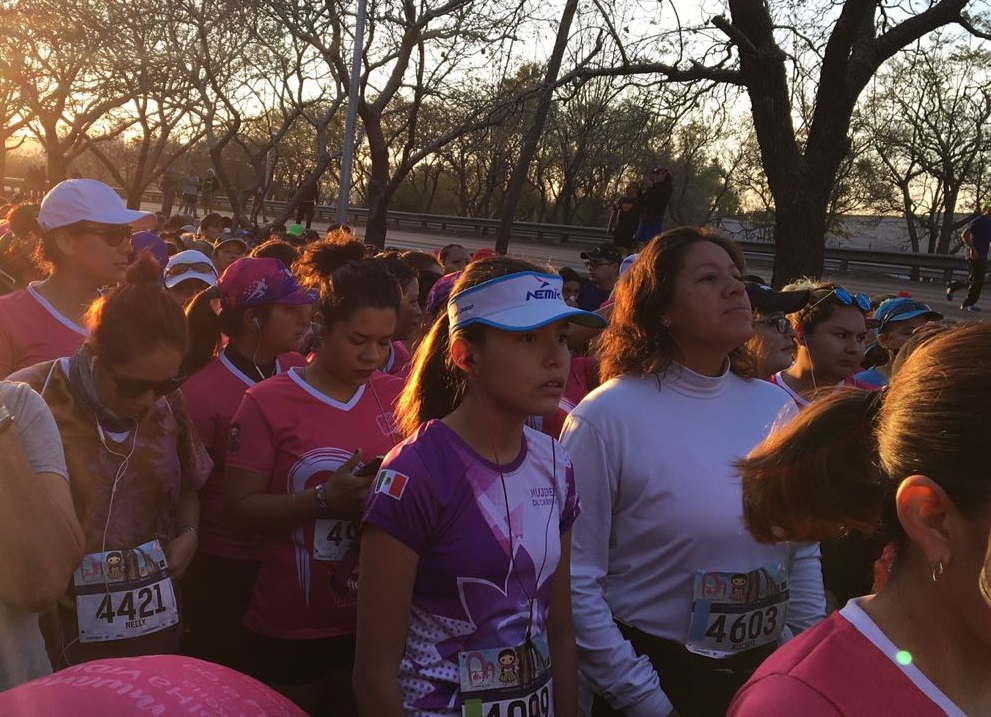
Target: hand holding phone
370, 468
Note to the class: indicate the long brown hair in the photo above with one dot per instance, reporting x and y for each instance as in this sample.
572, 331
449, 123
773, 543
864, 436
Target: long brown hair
838, 464
435, 385
636, 340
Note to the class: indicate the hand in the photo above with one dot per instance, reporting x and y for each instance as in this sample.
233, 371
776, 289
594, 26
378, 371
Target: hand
345, 491
179, 553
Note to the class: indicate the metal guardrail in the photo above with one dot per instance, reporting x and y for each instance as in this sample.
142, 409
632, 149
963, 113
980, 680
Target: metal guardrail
938, 267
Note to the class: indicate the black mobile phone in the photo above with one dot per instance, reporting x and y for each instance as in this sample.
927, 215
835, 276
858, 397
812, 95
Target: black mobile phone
370, 468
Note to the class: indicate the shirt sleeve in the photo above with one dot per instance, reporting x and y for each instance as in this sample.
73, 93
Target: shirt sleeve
251, 446
781, 696
36, 428
627, 681
571, 506
195, 462
402, 500
807, 601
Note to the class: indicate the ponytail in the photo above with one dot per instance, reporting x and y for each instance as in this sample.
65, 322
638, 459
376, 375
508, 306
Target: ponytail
436, 385
817, 475
207, 328
204, 330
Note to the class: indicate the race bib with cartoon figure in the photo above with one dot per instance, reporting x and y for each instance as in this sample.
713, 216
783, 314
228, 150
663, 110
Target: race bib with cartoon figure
736, 611
507, 681
124, 593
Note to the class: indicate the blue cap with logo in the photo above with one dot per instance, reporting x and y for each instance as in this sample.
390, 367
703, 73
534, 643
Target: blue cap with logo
522, 301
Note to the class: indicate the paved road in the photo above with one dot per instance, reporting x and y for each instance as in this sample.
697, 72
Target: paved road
564, 255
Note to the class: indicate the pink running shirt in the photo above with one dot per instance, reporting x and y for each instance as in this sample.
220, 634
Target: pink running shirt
32, 331
213, 395
289, 431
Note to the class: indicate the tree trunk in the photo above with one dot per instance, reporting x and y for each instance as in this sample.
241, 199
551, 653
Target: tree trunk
378, 181
515, 189
799, 234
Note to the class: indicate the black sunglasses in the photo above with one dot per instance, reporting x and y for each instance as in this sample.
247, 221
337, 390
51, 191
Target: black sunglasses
112, 234
781, 324
200, 267
135, 387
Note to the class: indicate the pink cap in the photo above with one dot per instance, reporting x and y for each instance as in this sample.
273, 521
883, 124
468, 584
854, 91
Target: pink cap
252, 281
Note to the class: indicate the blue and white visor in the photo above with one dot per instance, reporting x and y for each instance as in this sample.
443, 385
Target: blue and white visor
517, 302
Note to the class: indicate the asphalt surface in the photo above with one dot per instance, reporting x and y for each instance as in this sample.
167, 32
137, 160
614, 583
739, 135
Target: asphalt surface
559, 255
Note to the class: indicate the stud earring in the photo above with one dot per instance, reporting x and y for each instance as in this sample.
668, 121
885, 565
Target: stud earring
937, 572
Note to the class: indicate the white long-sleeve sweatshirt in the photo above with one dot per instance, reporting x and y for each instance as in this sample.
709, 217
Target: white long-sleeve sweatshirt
660, 501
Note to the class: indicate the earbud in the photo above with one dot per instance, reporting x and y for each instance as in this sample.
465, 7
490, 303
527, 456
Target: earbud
470, 358
257, 325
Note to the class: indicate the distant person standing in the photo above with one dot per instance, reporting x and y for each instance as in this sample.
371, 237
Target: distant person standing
190, 188
624, 220
168, 185
258, 204
207, 190
653, 199
603, 273
308, 196
977, 237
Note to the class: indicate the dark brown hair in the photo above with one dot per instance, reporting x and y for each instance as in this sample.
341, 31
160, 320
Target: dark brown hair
136, 317
208, 328
838, 464
277, 249
346, 280
636, 341
435, 385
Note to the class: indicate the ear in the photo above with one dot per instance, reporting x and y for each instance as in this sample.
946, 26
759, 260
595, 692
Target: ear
64, 242
928, 516
461, 355
799, 334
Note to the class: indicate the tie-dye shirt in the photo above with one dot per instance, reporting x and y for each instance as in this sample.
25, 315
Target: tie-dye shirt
289, 431
445, 502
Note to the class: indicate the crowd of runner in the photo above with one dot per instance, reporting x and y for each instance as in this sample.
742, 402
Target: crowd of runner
292, 474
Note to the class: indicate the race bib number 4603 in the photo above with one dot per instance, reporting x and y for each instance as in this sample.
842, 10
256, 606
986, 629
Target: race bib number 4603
124, 593
734, 612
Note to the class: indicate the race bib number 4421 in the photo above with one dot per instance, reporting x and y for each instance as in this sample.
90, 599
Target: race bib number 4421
734, 612
124, 593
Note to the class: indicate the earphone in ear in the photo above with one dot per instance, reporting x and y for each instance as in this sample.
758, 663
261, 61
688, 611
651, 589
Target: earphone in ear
470, 358
258, 326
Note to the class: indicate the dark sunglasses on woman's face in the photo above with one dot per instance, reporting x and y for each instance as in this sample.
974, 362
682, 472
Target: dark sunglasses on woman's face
781, 324
135, 387
199, 267
112, 234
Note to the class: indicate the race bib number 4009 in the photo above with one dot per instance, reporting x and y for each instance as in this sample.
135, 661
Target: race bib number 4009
734, 612
124, 593
507, 682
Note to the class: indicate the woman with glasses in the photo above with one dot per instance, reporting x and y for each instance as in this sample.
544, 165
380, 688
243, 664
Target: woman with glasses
187, 274
674, 604
773, 342
135, 464
264, 314
897, 319
830, 333
84, 228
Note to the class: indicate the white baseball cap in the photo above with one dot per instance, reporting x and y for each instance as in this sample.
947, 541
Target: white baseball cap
90, 200
190, 264
522, 301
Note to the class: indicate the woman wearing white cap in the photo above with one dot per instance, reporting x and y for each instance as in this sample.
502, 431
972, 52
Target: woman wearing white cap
463, 598
85, 228
187, 274
675, 604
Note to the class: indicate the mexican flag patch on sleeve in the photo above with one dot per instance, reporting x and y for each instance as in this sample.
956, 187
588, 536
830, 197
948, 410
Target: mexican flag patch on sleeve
392, 483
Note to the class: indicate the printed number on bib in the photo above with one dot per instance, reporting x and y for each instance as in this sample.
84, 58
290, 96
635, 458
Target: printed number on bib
124, 593
331, 538
734, 612
507, 682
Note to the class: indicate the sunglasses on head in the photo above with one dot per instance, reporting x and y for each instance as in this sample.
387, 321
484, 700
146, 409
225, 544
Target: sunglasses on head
200, 267
134, 387
112, 234
862, 301
781, 324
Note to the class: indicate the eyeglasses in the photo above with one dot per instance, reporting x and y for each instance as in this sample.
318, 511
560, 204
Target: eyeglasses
781, 324
597, 263
113, 234
862, 301
200, 267
135, 387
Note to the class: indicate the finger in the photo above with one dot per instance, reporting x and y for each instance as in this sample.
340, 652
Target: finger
350, 463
